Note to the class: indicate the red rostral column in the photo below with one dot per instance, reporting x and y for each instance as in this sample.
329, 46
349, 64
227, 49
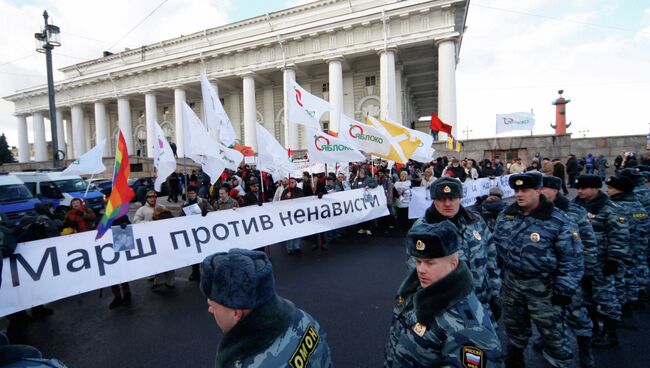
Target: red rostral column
560, 114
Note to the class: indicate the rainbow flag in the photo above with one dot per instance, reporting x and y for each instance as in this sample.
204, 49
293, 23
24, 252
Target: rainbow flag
453, 144
118, 203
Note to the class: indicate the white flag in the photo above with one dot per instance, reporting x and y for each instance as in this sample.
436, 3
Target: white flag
305, 108
326, 149
231, 157
271, 156
89, 163
215, 115
163, 158
199, 146
515, 121
364, 137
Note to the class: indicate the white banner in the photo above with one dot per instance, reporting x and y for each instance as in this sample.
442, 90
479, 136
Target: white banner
421, 197
515, 121
46, 270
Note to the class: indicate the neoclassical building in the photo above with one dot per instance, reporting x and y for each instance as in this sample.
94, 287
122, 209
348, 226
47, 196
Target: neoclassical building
385, 58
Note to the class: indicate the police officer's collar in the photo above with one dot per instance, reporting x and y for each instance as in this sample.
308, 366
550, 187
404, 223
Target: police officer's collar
624, 197
543, 212
434, 299
595, 205
255, 332
562, 202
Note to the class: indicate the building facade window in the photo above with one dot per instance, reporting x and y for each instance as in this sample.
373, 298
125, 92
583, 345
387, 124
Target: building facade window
371, 81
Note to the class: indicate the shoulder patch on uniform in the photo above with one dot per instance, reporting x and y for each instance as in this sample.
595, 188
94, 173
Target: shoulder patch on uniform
509, 216
639, 215
472, 357
305, 349
621, 219
419, 329
576, 235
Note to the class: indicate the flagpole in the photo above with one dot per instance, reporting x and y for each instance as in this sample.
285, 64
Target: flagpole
88, 186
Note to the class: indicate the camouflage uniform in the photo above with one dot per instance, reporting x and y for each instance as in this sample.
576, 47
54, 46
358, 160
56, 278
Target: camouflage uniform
275, 335
442, 325
577, 315
611, 229
476, 249
629, 279
542, 262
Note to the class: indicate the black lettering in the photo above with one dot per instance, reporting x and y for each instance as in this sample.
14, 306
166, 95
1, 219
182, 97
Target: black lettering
347, 207
375, 201
185, 236
299, 215
356, 201
234, 227
225, 230
285, 218
35, 275
251, 224
99, 252
152, 248
84, 257
336, 209
197, 241
325, 211
313, 213
267, 224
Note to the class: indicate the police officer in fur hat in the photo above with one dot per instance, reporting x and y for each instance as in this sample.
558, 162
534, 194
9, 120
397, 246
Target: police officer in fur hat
540, 249
256, 322
473, 235
612, 236
438, 320
632, 277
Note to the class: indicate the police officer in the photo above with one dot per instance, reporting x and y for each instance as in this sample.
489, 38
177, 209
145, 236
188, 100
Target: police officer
611, 229
641, 190
474, 240
632, 277
438, 320
260, 328
540, 249
576, 314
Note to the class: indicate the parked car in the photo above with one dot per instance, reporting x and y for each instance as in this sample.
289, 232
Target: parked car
16, 201
103, 185
61, 189
136, 182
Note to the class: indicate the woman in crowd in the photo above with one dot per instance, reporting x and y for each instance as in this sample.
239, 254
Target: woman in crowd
403, 189
79, 217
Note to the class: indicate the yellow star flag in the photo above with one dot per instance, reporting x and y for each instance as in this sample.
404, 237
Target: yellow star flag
403, 142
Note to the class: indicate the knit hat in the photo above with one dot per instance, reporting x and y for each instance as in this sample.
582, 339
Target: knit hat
437, 240
446, 188
529, 180
239, 279
589, 181
620, 182
496, 191
552, 182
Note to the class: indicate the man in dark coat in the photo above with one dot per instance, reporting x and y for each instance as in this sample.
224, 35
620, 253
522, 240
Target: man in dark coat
558, 172
572, 169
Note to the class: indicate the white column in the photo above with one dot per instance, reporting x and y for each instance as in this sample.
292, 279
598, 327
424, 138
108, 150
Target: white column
447, 82
387, 80
69, 152
290, 130
151, 114
101, 130
235, 113
348, 95
23, 142
399, 116
60, 133
301, 132
87, 133
124, 122
78, 131
179, 99
250, 115
269, 109
40, 146
336, 92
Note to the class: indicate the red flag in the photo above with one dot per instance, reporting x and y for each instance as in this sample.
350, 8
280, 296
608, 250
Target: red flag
438, 125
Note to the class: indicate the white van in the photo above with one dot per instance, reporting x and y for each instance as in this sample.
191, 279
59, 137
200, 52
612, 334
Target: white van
61, 189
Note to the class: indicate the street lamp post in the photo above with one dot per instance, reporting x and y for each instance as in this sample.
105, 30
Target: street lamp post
46, 40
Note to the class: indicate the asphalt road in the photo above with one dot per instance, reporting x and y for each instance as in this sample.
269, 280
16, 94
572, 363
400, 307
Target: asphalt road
349, 290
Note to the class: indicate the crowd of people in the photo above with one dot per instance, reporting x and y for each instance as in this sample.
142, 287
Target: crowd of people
542, 259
